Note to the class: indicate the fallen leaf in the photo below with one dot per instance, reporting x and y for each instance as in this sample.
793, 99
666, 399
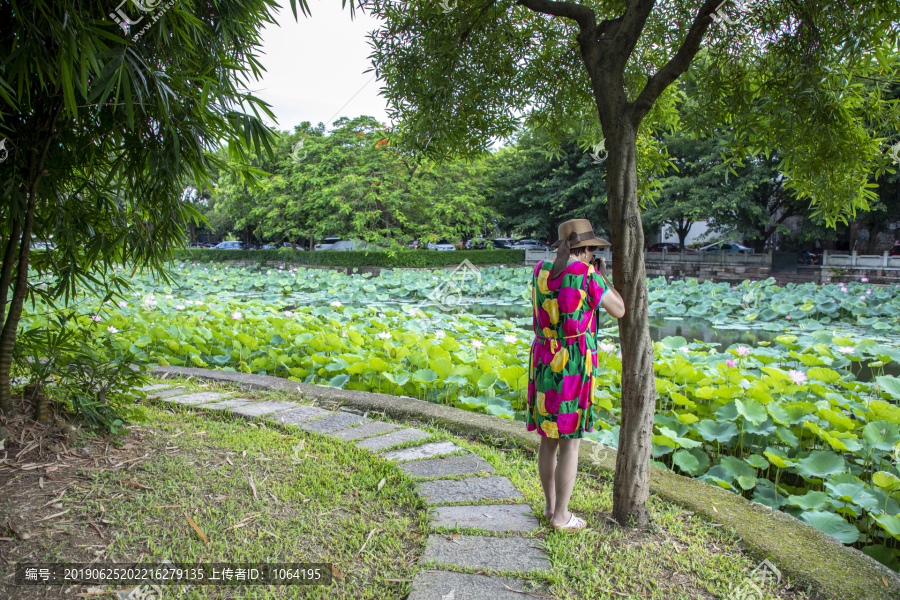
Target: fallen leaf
252, 487
381, 484
197, 529
53, 516
136, 484
337, 573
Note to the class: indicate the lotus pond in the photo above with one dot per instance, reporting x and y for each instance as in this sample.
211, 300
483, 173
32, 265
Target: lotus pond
783, 418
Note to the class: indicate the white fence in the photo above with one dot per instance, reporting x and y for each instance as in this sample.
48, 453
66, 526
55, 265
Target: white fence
852, 260
533, 256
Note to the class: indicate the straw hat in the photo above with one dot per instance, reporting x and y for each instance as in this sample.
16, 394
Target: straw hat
576, 233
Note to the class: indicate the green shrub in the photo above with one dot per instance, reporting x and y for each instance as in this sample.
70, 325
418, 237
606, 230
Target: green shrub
403, 258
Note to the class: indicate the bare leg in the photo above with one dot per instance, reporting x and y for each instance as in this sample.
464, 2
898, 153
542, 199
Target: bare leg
566, 470
547, 471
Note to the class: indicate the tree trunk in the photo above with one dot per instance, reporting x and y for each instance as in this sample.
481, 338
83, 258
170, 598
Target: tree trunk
20, 288
38, 155
632, 477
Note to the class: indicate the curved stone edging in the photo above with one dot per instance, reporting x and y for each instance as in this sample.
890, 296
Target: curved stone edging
798, 549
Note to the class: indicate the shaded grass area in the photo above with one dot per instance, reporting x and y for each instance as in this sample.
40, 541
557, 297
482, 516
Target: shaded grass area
319, 500
316, 500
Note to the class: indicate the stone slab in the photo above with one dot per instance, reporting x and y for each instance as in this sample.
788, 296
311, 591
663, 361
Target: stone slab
497, 517
362, 431
423, 451
333, 422
393, 438
152, 387
258, 409
297, 415
226, 404
441, 585
198, 398
168, 393
468, 490
471, 464
477, 552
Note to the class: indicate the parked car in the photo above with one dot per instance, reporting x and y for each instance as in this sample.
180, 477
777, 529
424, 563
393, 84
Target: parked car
268, 247
346, 245
442, 246
477, 244
503, 243
328, 242
669, 247
231, 246
210, 244
728, 247
197, 245
895, 251
527, 244
413, 245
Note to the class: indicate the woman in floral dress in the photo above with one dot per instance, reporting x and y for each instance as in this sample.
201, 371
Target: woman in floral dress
566, 295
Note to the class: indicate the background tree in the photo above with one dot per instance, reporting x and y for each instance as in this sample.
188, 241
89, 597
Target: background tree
785, 74
105, 132
694, 188
535, 192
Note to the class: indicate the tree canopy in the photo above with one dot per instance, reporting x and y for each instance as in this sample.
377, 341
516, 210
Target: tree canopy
104, 130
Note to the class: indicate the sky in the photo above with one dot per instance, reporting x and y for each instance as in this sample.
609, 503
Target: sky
314, 66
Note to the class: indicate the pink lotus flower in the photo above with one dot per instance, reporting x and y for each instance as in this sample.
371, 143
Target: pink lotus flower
862, 297
684, 349
179, 307
788, 317
96, 318
743, 351
798, 377
619, 355
477, 344
510, 339
237, 316
865, 280
730, 363
122, 304
288, 314
112, 329
846, 349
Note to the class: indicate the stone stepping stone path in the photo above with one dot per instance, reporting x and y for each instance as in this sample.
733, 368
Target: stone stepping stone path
437, 463
493, 517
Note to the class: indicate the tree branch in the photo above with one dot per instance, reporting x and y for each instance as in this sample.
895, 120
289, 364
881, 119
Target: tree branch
582, 15
677, 65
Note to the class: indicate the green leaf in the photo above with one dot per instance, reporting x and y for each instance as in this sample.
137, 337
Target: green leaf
717, 431
424, 376
822, 374
832, 524
820, 464
889, 385
886, 481
339, 380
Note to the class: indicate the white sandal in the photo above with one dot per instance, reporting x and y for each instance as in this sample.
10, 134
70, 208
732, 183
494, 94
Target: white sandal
574, 524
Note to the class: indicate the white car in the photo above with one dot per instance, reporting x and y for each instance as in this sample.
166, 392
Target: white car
442, 246
729, 247
353, 245
530, 245
327, 243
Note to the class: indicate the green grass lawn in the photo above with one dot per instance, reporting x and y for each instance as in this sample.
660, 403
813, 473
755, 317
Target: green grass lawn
320, 500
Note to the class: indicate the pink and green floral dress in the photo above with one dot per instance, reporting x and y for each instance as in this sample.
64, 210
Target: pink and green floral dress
564, 351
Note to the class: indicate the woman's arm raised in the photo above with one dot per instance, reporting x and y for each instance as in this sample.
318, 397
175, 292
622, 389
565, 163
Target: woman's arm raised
612, 302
